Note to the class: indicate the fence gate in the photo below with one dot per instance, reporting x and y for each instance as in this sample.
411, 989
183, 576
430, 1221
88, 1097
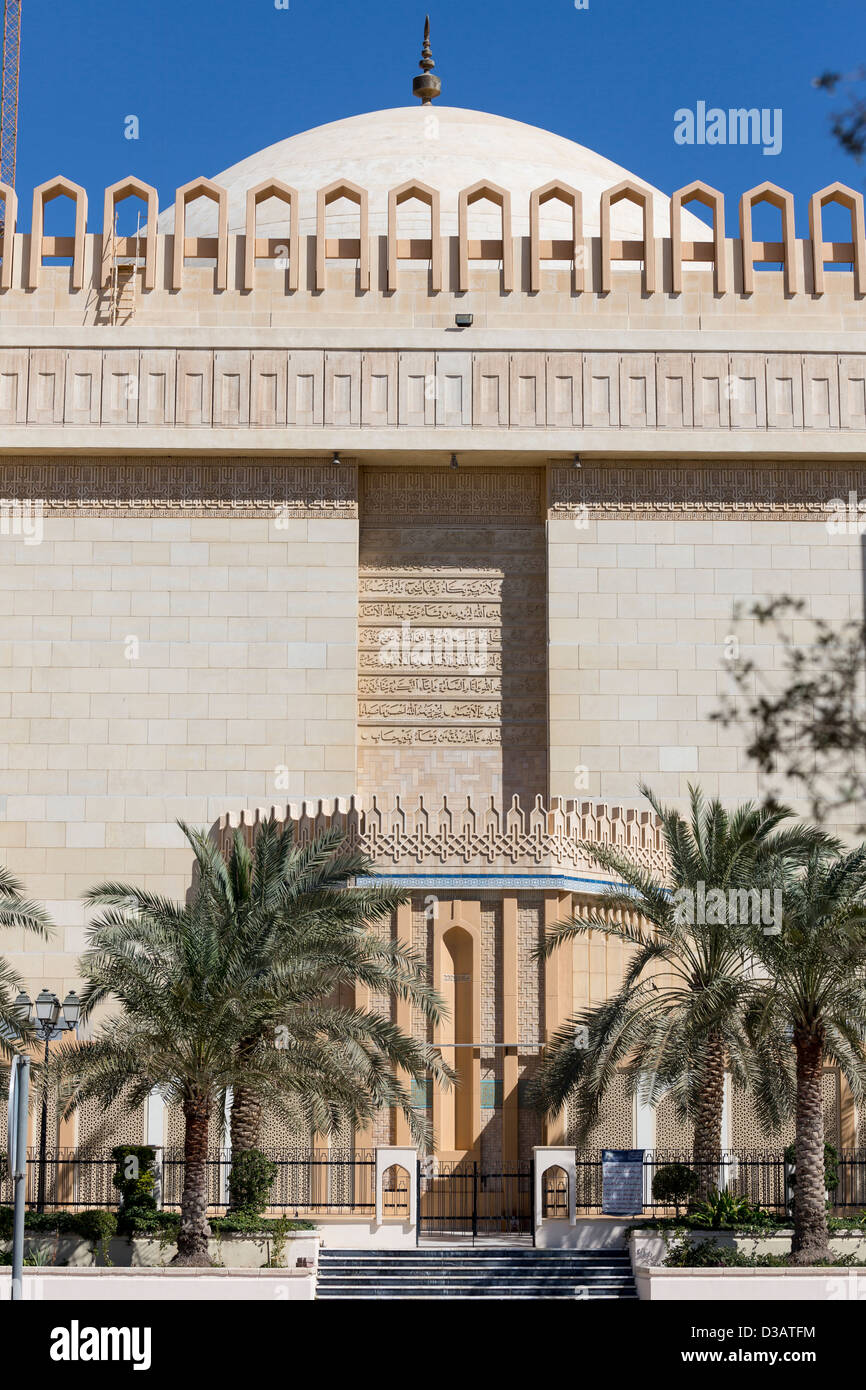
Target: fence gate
470, 1199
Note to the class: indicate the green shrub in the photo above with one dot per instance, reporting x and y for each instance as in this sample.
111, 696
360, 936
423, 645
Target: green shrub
726, 1209
705, 1254
250, 1182
147, 1221
98, 1225
674, 1183
248, 1224
134, 1176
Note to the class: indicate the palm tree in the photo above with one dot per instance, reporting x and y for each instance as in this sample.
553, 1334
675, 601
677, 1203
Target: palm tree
810, 989
304, 933
17, 913
677, 1019
191, 995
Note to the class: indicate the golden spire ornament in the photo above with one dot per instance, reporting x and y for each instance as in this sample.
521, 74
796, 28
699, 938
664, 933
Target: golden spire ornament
427, 86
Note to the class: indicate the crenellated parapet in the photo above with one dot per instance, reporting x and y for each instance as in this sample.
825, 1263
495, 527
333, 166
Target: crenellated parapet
550, 839
164, 257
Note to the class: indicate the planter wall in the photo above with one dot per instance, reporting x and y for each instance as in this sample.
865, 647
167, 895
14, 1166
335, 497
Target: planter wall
650, 1247
748, 1285
77, 1285
231, 1251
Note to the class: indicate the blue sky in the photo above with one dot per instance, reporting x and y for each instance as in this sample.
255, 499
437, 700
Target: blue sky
212, 82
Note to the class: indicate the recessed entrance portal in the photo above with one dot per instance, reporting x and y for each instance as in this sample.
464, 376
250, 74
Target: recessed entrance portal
457, 1130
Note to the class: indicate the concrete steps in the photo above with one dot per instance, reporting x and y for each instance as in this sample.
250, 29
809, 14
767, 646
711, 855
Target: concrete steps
491, 1273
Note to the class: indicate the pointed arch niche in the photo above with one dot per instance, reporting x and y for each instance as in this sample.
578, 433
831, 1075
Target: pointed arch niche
457, 974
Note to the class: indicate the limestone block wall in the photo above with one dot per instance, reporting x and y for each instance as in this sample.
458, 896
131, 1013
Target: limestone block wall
644, 577
159, 660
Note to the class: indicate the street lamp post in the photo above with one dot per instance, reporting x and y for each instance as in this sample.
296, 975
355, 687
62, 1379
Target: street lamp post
47, 1016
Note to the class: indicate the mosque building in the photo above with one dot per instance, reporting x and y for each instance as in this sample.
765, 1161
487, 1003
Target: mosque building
406, 476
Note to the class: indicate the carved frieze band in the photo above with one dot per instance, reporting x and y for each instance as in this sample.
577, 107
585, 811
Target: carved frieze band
760, 491
281, 389
282, 488
510, 501
450, 497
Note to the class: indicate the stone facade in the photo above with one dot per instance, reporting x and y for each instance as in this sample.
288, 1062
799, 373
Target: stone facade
240, 573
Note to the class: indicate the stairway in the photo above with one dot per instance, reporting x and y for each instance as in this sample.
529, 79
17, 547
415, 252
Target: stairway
494, 1272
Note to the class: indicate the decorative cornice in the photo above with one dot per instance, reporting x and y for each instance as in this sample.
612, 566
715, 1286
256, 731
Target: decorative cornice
464, 836
485, 883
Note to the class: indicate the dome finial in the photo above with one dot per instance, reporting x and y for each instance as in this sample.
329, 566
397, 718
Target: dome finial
427, 87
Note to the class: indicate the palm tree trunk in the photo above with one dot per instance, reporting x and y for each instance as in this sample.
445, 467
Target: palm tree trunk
811, 1240
707, 1138
246, 1113
194, 1228
246, 1120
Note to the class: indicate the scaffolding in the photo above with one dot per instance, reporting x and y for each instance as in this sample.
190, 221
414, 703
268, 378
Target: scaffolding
9, 90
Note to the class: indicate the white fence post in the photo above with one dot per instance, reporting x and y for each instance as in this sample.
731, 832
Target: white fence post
554, 1156
387, 1157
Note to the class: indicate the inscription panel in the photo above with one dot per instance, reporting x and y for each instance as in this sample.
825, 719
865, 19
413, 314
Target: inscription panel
452, 628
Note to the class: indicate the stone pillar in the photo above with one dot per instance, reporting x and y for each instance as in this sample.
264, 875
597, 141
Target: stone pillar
406, 1158
226, 1161
403, 1016
510, 1026
154, 1135
847, 1117
645, 1138
644, 1124
558, 993
364, 1137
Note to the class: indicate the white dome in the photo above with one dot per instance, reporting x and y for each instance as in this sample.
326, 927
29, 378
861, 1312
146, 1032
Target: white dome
443, 146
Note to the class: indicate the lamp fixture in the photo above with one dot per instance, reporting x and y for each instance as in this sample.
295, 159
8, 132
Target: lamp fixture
47, 1008
575, 463
454, 461
336, 459
71, 1009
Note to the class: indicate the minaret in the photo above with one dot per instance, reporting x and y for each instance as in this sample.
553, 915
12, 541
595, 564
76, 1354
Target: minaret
427, 87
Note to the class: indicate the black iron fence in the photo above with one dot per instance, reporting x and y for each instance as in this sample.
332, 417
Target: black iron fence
324, 1182
338, 1182
760, 1175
